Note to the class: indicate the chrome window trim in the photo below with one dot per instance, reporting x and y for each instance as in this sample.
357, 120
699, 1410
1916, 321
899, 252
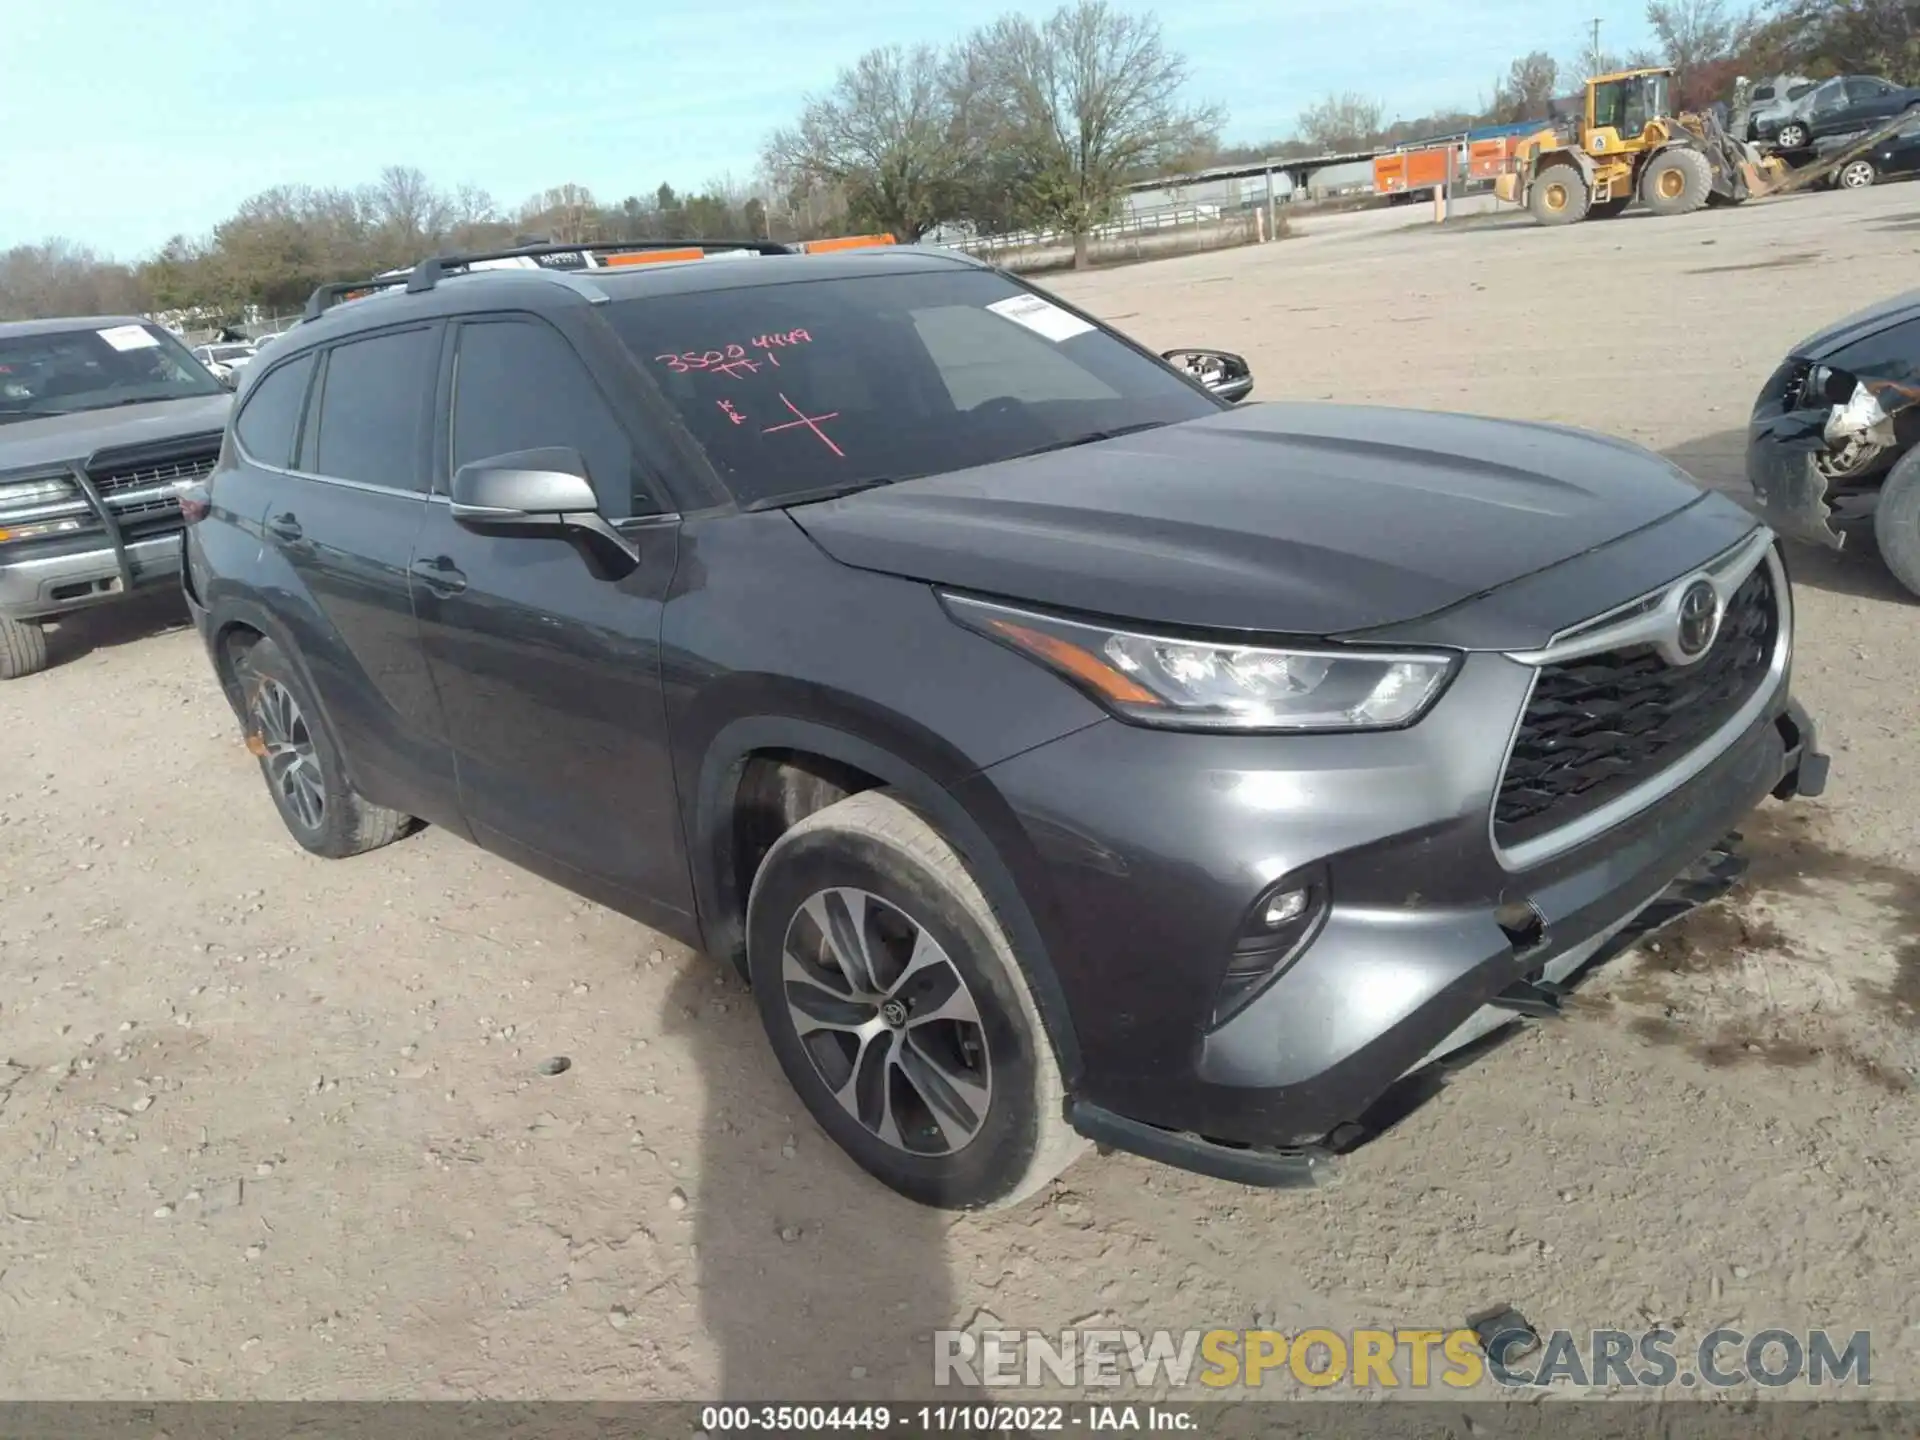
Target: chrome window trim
404, 492
1739, 562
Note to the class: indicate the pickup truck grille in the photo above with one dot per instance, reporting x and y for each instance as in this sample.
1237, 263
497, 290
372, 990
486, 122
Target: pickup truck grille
139, 486
1601, 725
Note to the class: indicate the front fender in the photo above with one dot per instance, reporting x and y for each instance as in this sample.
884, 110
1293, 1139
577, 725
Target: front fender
980, 826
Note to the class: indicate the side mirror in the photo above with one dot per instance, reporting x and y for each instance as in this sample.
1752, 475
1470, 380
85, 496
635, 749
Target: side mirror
539, 488
229, 380
540, 493
1226, 375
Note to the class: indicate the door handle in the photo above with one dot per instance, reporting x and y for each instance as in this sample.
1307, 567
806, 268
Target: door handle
440, 575
284, 527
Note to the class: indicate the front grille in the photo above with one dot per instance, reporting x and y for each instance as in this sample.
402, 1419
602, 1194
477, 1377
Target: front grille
138, 487
1597, 727
178, 470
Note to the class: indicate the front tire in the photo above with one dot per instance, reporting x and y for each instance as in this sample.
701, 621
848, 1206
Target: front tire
1855, 175
1559, 196
23, 648
1793, 136
304, 772
898, 1011
1678, 182
1896, 521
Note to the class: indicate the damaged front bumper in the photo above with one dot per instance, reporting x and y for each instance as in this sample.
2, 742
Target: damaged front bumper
1815, 428
1792, 491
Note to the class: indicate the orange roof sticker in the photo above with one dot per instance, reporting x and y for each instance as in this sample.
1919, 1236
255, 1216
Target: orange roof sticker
847, 242
651, 257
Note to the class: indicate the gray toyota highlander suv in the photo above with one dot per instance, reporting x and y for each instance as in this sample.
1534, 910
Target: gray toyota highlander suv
1062, 751
101, 419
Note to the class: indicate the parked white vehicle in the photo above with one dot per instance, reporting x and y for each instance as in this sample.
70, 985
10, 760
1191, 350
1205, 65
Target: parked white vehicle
225, 360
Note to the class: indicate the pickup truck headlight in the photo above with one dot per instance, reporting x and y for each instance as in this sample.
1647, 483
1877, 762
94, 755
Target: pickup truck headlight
1185, 684
47, 490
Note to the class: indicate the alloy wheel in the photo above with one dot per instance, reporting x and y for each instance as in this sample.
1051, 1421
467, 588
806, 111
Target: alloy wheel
887, 1021
293, 769
1857, 175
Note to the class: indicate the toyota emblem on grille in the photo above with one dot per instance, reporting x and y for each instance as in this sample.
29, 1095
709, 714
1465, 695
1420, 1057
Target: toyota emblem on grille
1698, 623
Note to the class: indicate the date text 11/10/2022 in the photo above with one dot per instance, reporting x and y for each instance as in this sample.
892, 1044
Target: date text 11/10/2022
942, 1419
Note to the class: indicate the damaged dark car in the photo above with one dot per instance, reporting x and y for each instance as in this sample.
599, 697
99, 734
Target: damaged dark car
1830, 450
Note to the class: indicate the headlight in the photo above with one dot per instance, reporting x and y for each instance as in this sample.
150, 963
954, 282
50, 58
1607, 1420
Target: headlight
18, 494
1211, 685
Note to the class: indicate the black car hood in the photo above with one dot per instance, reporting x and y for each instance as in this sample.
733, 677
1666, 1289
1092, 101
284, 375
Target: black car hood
1825, 344
1288, 518
59, 439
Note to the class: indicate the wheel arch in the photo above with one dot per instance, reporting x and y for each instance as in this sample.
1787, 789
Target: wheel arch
234, 627
721, 808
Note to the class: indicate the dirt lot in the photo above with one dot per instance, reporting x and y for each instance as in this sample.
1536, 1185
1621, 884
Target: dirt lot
276, 1127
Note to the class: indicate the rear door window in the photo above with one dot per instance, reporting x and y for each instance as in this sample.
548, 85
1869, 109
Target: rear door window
270, 418
371, 418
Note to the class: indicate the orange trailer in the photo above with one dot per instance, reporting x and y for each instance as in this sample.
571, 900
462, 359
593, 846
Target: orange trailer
1406, 170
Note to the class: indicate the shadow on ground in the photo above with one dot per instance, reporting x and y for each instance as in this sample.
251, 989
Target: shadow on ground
1719, 462
816, 1283
123, 622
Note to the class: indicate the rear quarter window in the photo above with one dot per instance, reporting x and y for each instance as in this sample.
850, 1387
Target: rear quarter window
270, 416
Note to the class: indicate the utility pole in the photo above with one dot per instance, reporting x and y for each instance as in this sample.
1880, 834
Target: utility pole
1594, 69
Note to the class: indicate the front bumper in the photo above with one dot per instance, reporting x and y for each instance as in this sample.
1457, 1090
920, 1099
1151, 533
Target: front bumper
40, 586
1173, 836
1791, 491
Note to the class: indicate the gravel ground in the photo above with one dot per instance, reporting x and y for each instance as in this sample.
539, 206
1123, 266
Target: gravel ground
276, 1127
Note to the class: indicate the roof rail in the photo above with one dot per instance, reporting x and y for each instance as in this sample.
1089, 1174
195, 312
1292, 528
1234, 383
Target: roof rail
430, 272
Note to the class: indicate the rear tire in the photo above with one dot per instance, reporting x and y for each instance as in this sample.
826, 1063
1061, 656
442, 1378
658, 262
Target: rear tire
1896, 521
860, 916
1678, 182
304, 772
23, 648
1793, 136
1559, 196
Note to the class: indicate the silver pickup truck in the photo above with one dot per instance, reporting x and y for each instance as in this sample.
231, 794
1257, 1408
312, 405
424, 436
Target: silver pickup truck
101, 420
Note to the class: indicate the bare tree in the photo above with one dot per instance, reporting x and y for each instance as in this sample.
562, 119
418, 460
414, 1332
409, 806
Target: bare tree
1529, 85
1341, 122
885, 133
565, 212
1693, 33
1079, 106
407, 211
59, 277
1701, 39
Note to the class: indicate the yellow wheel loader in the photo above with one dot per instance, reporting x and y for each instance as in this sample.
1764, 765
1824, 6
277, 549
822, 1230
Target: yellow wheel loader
1619, 142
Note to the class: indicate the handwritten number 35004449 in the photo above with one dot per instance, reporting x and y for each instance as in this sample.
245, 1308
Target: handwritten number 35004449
736, 358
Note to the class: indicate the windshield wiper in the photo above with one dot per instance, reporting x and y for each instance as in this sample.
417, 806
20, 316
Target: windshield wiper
33, 413
1094, 437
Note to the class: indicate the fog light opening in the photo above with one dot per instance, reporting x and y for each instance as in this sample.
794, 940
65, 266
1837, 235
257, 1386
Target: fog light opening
1279, 925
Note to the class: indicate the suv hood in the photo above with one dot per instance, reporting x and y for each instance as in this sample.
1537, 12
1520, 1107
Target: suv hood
1825, 344
1296, 519
60, 439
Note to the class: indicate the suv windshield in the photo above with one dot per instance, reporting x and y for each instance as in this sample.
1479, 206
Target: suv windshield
806, 388
63, 371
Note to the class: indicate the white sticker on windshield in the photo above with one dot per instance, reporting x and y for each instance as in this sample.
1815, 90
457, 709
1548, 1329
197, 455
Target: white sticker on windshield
1048, 321
129, 337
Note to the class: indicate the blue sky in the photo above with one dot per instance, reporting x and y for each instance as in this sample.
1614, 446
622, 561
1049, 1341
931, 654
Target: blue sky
132, 120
